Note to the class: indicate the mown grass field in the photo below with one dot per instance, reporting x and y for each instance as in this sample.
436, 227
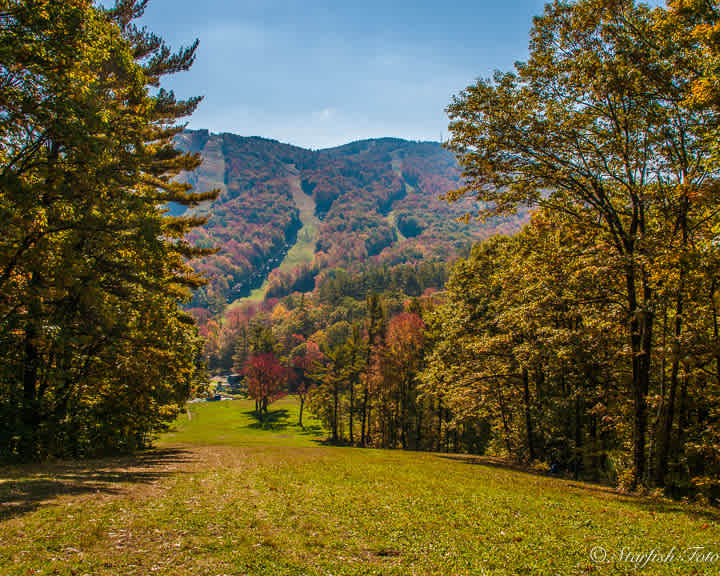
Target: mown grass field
224, 494
233, 423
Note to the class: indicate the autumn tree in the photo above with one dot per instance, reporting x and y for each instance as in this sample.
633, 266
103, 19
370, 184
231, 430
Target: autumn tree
265, 379
470, 370
375, 329
594, 128
400, 362
96, 353
326, 398
304, 360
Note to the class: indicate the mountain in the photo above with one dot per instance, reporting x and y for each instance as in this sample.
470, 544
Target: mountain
286, 214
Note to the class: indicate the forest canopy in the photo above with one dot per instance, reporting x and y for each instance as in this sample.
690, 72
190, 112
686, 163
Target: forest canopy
96, 354
611, 128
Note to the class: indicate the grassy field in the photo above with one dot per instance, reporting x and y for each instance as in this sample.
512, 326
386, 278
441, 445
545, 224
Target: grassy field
392, 220
234, 423
226, 494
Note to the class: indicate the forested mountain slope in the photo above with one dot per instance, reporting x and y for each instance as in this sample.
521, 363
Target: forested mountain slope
374, 201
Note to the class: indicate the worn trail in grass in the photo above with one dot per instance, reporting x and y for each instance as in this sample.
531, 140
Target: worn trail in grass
224, 494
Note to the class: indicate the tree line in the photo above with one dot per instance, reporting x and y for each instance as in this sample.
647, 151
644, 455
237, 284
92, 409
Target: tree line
610, 128
95, 354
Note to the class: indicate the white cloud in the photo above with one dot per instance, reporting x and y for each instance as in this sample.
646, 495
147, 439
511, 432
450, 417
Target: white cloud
327, 113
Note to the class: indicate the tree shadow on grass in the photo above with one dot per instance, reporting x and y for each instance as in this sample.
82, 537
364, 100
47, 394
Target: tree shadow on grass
654, 505
275, 420
500, 463
25, 488
281, 420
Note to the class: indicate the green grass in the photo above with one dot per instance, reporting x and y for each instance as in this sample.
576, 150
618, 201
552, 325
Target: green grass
271, 500
234, 423
392, 220
257, 295
303, 251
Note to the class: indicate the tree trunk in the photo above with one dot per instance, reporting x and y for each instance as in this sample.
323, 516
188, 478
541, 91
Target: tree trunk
302, 404
668, 413
335, 415
368, 429
506, 425
439, 428
578, 459
418, 429
30, 408
403, 414
363, 423
641, 336
716, 329
657, 424
528, 417
352, 409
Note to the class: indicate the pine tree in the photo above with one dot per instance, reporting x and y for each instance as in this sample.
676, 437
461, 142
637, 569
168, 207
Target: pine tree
99, 355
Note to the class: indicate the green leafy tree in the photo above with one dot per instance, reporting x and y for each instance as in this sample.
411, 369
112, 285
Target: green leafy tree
594, 128
304, 360
98, 354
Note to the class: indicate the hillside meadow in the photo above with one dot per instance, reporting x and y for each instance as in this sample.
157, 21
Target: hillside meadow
225, 494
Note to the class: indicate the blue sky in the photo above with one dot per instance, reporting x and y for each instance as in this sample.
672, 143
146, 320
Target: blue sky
319, 73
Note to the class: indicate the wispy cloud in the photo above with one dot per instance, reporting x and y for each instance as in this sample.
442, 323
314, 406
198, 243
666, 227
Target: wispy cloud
324, 73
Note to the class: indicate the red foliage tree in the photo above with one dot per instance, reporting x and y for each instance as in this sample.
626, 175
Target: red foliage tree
265, 378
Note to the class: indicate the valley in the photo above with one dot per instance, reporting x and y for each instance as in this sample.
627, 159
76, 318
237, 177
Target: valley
359, 354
